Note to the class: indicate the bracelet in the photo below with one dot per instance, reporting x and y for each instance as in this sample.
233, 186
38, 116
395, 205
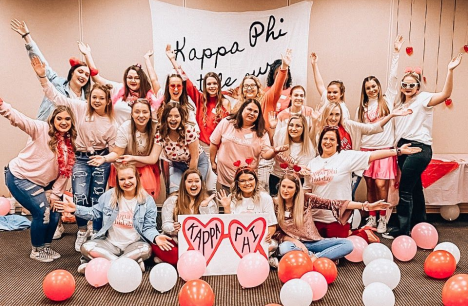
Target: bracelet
398, 152
24, 35
42, 77
362, 206
105, 159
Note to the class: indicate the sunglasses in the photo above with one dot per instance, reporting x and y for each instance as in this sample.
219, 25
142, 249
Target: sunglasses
331, 127
408, 85
174, 86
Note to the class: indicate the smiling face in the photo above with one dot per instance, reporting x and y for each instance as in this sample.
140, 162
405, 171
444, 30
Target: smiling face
247, 184
133, 80
409, 86
334, 118
127, 181
212, 86
174, 119
193, 184
175, 88
249, 89
98, 101
250, 114
141, 114
295, 129
372, 89
287, 189
298, 97
63, 122
329, 144
334, 93
80, 76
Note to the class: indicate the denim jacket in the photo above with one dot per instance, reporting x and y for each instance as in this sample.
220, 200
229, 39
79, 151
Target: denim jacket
60, 83
144, 218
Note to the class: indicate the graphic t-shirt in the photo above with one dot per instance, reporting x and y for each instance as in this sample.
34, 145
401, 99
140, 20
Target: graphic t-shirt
122, 233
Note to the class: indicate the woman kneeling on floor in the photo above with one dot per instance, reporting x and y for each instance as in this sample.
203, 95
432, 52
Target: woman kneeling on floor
128, 214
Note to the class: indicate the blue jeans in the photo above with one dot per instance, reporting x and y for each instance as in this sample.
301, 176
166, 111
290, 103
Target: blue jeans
88, 183
331, 248
411, 208
356, 179
177, 169
33, 198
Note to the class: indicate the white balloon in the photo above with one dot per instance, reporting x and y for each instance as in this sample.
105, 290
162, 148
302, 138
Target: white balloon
383, 271
356, 219
375, 251
449, 247
124, 275
163, 277
296, 292
450, 212
378, 294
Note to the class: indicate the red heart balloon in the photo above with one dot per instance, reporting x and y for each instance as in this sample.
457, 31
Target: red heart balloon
448, 102
465, 47
409, 51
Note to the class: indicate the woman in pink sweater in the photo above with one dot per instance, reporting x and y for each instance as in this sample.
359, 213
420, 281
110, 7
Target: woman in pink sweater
45, 163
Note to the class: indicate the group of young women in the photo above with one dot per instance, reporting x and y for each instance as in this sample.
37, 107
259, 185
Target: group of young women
137, 126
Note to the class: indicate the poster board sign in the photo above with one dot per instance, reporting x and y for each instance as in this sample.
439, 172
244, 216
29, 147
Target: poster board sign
223, 239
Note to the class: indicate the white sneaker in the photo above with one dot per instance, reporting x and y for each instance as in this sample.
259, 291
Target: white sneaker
82, 268
382, 227
81, 238
58, 232
371, 221
273, 261
41, 256
52, 253
142, 265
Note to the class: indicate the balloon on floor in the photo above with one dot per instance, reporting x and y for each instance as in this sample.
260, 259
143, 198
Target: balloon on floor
58, 285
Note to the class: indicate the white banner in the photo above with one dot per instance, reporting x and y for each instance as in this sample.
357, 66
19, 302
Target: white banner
223, 239
230, 44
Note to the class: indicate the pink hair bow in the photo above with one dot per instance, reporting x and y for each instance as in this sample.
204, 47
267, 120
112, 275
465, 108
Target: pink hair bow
417, 70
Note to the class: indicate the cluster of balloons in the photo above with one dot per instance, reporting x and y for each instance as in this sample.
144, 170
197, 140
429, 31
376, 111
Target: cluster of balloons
303, 280
4, 206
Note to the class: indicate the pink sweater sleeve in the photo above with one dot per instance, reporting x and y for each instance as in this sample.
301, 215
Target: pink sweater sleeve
338, 207
28, 125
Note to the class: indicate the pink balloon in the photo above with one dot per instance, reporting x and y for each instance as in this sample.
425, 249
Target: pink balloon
404, 248
191, 265
4, 206
359, 245
425, 235
317, 282
253, 270
96, 272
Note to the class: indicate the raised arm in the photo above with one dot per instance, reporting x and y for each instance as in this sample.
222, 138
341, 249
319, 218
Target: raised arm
272, 96
151, 72
317, 76
21, 28
171, 56
85, 49
392, 85
20, 120
440, 97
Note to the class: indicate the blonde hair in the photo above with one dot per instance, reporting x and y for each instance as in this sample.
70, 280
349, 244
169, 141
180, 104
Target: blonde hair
118, 193
298, 202
306, 148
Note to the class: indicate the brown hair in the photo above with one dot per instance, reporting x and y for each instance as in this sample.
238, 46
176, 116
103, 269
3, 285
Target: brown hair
53, 131
145, 84
382, 104
183, 198
340, 86
235, 189
163, 125
338, 138
219, 98
109, 110
238, 121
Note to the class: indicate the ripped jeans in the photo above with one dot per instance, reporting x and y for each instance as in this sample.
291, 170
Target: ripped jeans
33, 198
88, 184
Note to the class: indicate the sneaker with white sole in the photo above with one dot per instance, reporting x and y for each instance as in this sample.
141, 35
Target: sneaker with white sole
142, 265
81, 238
82, 268
382, 226
58, 232
371, 221
273, 261
52, 253
40, 255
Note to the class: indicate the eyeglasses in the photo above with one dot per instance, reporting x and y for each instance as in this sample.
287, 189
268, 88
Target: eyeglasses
247, 86
243, 182
331, 127
174, 86
409, 85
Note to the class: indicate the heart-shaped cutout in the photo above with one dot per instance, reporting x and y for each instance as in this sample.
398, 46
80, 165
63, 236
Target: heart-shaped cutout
409, 51
245, 240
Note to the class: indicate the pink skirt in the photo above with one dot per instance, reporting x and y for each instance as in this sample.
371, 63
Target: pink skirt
382, 169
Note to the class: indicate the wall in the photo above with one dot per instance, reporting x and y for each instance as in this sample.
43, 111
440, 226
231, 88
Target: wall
352, 38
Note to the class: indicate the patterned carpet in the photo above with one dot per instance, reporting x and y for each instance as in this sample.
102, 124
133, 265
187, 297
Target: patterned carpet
21, 278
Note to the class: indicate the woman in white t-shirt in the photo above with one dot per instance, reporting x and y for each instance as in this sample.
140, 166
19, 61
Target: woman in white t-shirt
374, 106
417, 131
295, 135
135, 137
191, 199
128, 216
330, 176
247, 198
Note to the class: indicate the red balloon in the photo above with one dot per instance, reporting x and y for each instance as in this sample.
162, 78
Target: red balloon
196, 293
59, 285
455, 291
327, 268
293, 265
440, 264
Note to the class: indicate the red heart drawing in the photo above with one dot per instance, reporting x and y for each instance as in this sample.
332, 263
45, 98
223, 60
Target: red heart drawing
245, 240
205, 238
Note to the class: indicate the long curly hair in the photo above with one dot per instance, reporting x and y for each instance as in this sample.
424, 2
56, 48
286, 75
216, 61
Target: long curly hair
150, 129
164, 126
382, 105
53, 131
145, 84
219, 98
271, 74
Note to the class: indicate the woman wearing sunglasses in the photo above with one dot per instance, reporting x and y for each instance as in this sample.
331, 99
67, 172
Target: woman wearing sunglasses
416, 130
375, 104
331, 173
